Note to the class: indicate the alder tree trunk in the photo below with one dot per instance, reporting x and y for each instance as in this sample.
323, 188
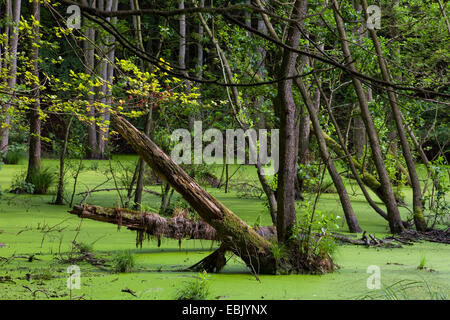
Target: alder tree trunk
141, 165
242, 240
106, 73
419, 219
62, 158
359, 131
350, 217
34, 150
289, 127
395, 222
88, 47
13, 12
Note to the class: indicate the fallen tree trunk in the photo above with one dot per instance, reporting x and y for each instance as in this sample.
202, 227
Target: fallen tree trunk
150, 224
242, 240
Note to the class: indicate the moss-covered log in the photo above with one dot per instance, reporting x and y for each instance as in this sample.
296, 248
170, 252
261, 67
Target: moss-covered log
148, 223
253, 249
152, 225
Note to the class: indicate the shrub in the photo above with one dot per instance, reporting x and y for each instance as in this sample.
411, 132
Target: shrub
316, 227
123, 261
19, 185
14, 157
42, 180
194, 290
16, 152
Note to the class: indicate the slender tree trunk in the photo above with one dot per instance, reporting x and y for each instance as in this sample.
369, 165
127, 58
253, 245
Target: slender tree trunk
200, 58
182, 58
62, 158
441, 6
359, 130
12, 11
226, 178
88, 46
396, 114
359, 135
350, 217
107, 73
137, 24
270, 194
395, 222
141, 164
164, 199
182, 47
34, 151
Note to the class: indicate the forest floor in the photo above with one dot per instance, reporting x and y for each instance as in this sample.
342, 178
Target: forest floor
35, 235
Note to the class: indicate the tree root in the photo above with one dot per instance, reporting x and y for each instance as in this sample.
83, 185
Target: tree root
368, 241
432, 235
408, 237
213, 262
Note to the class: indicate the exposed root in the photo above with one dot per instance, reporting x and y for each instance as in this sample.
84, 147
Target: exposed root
408, 237
369, 241
213, 262
129, 291
299, 260
433, 235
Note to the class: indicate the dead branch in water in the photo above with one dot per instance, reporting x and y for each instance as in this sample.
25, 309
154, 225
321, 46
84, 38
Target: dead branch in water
149, 224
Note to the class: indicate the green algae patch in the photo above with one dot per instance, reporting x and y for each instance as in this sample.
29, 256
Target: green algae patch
34, 228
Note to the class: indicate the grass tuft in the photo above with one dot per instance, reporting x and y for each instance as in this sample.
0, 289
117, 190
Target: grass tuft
123, 261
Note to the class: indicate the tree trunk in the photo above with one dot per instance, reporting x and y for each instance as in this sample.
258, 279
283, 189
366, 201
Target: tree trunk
359, 136
395, 222
34, 150
182, 58
359, 131
254, 250
107, 73
270, 194
350, 217
13, 38
396, 114
286, 215
88, 46
141, 164
62, 157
